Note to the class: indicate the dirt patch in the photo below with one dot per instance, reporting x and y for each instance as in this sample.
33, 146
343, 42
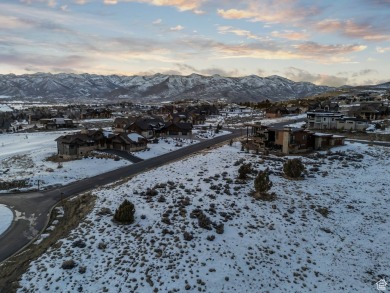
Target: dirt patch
57, 159
75, 210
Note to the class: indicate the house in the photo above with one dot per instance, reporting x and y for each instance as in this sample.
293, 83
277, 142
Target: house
325, 140
293, 110
197, 118
147, 127
172, 128
352, 123
181, 117
79, 144
290, 140
276, 112
371, 111
235, 109
98, 113
121, 124
323, 120
131, 142
335, 120
55, 123
325, 106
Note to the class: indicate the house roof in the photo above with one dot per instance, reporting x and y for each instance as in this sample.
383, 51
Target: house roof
149, 123
352, 119
79, 137
135, 136
74, 138
183, 126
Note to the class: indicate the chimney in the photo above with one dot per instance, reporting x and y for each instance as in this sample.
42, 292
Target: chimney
286, 140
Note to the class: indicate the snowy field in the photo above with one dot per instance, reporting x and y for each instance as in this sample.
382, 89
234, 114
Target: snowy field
23, 157
268, 121
326, 233
248, 118
169, 144
5, 108
6, 217
165, 145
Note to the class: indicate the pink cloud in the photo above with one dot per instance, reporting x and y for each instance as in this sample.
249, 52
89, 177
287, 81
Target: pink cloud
351, 29
283, 11
290, 35
181, 5
315, 49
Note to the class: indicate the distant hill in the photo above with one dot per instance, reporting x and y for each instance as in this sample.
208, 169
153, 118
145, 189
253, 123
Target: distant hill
157, 87
382, 86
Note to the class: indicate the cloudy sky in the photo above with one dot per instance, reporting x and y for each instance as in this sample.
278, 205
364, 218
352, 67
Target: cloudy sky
324, 42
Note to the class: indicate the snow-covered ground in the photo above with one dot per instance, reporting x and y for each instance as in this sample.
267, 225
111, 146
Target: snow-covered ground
23, 157
372, 129
282, 119
6, 217
165, 145
221, 120
5, 108
169, 144
208, 133
326, 233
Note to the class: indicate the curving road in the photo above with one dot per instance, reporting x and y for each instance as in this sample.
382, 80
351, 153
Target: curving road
33, 209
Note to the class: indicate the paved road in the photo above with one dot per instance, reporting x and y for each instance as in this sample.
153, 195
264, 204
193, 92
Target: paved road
35, 207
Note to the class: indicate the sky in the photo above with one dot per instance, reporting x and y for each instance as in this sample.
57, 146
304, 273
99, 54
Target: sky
324, 42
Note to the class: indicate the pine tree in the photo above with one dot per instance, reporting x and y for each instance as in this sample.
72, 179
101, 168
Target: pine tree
125, 212
293, 168
244, 171
262, 182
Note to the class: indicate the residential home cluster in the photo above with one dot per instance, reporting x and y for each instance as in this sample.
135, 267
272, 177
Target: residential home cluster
58, 117
132, 133
327, 115
337, 114
332, 116
288, 140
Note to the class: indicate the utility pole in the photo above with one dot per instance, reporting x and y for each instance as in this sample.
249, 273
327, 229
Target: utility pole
247, 134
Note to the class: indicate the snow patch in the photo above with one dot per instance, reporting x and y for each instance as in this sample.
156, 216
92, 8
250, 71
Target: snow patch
6, 217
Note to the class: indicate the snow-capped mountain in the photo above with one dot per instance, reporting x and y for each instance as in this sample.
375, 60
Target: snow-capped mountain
383, 86
155, 87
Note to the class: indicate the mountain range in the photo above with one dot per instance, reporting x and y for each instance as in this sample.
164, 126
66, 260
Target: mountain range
158, 87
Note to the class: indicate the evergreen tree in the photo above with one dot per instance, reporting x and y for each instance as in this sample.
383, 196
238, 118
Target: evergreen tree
293, 168
244, 171
262, 182
125, 212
